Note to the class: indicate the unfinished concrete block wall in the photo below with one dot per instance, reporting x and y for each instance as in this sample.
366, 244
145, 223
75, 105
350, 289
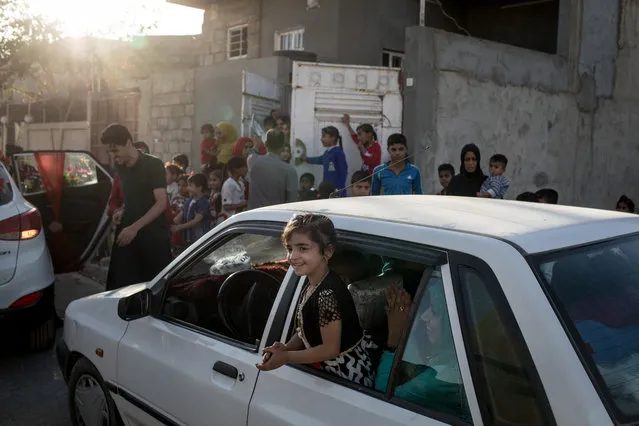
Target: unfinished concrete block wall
560, 119
168, 103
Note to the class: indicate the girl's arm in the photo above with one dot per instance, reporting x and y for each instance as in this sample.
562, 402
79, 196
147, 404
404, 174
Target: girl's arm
315, 160
295, 343
329, 349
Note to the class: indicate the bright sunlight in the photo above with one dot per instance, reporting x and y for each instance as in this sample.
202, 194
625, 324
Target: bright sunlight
120, 18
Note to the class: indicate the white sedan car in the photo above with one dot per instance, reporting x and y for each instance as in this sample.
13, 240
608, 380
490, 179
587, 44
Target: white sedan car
539, 322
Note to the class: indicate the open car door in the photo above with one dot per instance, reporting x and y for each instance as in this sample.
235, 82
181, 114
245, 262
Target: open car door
73, 189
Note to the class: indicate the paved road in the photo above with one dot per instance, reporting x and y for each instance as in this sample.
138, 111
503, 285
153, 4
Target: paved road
32, 391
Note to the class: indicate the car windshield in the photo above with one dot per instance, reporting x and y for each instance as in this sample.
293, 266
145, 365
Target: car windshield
596, 289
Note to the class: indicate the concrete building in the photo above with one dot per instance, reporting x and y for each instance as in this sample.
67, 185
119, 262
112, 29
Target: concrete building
565, 114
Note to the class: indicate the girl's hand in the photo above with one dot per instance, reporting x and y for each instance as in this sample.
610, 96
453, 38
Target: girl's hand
346, 119
398, 306
274, 357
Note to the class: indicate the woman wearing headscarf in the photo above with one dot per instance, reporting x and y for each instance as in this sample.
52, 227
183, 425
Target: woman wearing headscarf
468, 182
429, 374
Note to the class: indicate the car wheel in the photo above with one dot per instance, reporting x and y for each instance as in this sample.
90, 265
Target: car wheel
90, 403
42, 337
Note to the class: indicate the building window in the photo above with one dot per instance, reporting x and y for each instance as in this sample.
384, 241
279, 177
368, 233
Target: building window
290, 40
392, 59
237, 44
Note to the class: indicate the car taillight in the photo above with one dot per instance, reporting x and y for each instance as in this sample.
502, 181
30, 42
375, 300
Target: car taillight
27, 300
24, 226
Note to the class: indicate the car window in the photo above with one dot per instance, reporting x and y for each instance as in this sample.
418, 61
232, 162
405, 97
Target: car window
79, 170
596, 290
5, 184
28, 174
426, 379
429, 373
504, 384
230, 289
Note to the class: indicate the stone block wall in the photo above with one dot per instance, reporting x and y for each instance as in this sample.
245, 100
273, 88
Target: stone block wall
171, 108
221, 16
566, 122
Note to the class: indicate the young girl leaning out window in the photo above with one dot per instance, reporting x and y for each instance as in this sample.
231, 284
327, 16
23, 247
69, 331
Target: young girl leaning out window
333, 159
329, 336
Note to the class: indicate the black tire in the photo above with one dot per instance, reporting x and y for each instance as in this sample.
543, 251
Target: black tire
82, 374
42, 337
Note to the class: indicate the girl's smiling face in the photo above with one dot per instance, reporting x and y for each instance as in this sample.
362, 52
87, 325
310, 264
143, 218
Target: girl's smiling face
304, 255
285, 155
215, 183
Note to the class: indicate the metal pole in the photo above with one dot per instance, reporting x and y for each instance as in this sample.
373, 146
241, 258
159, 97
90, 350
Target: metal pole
422, 13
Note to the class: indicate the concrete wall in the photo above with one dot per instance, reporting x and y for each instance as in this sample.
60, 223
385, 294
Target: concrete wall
377, 24
556, 122
329, 30
167, 110
321, 32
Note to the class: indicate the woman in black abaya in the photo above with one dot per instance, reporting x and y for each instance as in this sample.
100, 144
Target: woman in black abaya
468, 182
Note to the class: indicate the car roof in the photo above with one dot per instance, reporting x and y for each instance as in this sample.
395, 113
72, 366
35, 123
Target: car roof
531, 227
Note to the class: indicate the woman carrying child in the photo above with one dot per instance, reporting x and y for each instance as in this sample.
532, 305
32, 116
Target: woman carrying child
329, 336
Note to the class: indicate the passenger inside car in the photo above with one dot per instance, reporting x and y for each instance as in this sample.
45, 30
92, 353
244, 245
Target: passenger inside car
430, 375
329, 335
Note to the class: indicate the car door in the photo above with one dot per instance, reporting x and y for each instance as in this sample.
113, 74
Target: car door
73, 189
295, 395
195, 364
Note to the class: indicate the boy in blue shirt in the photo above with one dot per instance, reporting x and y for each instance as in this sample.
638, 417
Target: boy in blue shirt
398, 176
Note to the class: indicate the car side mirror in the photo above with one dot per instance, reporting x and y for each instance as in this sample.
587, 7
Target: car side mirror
135, 306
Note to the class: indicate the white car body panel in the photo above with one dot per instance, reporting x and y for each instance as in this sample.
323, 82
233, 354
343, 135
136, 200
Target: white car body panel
93, 323
176, 357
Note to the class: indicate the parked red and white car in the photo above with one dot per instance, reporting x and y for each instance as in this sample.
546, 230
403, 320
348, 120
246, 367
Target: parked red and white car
27, 274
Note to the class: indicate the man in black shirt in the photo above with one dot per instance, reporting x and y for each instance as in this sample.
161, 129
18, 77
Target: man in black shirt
142, 244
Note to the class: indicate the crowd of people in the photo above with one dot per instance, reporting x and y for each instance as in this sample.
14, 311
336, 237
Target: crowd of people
259, 173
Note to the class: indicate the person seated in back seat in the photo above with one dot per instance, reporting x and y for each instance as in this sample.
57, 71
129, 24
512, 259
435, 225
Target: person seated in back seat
429, 374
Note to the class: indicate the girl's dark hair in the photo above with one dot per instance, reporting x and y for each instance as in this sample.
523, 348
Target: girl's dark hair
332, 131
184, 178
317, 227
627, 201
173, 169
367, 128
199, 180
181, 160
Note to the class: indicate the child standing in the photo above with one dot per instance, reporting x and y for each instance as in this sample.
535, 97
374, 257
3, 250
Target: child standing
233, 199
361, 184
209, 148
496, 185
398, 176
173, 172
177, 205
307, 190
446, 172
195, 219
365, 138
333, 159
216, 176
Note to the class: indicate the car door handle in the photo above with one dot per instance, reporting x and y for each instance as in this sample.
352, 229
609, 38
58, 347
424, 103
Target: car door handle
226, 369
